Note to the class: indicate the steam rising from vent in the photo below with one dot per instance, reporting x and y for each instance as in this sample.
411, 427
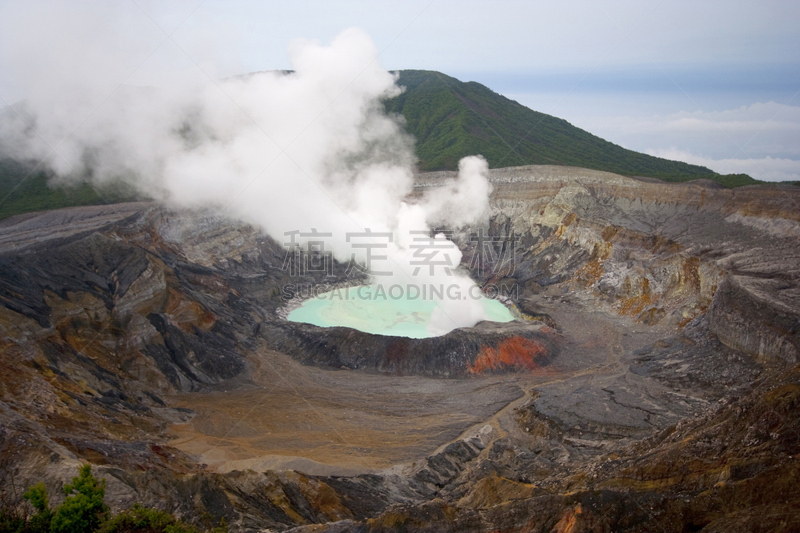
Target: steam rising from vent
312, 148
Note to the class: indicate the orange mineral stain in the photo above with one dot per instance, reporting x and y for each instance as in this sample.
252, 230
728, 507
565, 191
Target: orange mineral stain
516, 353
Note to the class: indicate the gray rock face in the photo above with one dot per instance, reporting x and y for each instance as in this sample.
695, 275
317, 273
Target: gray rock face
747, 318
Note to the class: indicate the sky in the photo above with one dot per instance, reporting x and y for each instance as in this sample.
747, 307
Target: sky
708, 82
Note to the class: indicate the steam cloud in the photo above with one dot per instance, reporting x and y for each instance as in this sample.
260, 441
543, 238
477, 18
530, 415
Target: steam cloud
312, 148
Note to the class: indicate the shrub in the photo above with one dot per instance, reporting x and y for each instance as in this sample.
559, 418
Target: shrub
14, 519
11, 521
37, 495
140, 519
83, 510
39, 522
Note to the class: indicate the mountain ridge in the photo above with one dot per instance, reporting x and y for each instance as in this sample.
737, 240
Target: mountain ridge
449, 119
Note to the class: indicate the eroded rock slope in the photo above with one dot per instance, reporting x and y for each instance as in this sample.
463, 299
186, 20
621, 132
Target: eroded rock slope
654, 384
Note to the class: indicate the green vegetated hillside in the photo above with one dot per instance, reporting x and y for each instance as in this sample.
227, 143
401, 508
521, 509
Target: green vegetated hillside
25, 187
452, 119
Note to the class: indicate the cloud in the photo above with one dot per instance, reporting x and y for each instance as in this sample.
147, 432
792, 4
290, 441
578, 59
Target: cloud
753, 131
766, 168
751, 119
761, 139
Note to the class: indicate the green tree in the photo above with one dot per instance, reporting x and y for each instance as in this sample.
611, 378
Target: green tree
84, 509
37, 496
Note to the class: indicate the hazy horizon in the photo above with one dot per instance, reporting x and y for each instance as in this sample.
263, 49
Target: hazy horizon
709, 83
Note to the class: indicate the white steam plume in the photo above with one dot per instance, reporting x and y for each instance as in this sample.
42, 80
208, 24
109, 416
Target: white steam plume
285, 151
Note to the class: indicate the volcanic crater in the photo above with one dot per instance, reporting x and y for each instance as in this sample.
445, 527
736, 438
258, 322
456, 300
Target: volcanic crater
653, 365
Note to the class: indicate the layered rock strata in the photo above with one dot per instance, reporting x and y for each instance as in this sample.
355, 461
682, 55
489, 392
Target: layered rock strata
650, 383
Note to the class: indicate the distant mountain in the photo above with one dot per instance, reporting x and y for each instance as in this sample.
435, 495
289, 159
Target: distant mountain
452, 119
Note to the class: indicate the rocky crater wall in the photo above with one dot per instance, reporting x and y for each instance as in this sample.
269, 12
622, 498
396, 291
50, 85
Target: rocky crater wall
109, 313
655, 252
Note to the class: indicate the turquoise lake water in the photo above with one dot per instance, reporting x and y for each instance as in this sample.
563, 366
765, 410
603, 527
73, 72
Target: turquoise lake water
366, 311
